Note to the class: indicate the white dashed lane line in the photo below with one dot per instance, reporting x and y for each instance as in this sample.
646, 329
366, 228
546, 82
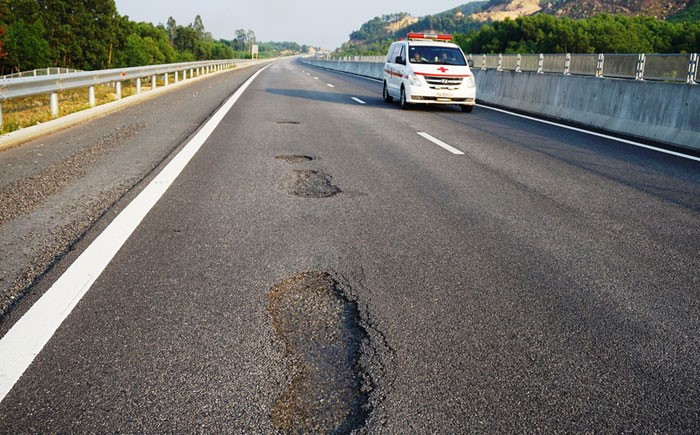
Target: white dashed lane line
357, 100
441, 143
330, 85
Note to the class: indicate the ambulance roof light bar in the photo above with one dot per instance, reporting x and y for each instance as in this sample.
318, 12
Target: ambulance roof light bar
430, 36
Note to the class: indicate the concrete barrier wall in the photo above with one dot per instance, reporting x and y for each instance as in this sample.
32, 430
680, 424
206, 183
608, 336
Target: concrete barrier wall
373, 70
662, 112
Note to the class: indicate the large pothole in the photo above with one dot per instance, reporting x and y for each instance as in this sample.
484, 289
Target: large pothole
321, 330
309, 183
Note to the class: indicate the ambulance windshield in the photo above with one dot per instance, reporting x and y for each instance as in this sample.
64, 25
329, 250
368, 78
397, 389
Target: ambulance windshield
435, 55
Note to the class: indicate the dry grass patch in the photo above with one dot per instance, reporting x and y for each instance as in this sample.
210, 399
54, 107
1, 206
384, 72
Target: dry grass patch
19, 113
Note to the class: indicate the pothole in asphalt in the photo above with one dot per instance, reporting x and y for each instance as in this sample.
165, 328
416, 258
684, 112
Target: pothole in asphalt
312, 184
294, 158
321, 329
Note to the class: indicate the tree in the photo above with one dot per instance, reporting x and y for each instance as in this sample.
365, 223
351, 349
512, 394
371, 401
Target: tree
171, 30
26, 47
240, 40
198, 27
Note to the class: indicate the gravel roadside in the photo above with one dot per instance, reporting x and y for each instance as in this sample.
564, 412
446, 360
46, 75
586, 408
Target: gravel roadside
53, 189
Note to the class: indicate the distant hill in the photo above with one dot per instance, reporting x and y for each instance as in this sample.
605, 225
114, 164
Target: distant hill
661, 9
498, 10
375, 36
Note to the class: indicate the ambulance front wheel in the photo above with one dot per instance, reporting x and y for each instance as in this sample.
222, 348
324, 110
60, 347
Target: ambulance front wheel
466, 108
402, 101
385, 93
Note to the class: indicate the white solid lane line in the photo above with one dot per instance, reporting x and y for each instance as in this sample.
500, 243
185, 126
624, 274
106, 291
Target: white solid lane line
593, 133
358, 100
24, 341
441, 143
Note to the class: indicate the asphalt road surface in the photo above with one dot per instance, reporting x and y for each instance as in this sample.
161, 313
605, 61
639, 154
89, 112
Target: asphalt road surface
320, 266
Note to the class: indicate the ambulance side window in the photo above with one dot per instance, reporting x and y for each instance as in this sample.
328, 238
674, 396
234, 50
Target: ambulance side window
402, 54
388, 55
391, 57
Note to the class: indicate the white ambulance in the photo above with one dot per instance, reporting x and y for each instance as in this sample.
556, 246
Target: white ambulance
427, 68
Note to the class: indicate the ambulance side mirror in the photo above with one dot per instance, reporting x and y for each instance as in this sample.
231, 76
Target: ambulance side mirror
400, 60
470, 62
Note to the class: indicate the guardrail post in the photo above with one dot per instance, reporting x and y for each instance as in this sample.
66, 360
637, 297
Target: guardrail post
600, 65
518, 63
91, 96
567, 64
177, 76
138, 85
118, 90
153, 83
53, 104
0, 115
499, 67
639, 75
540, 64
165, 79
483, 61
692, 68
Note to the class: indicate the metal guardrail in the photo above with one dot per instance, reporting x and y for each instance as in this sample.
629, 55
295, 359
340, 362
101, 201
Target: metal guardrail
52, 84
660, 67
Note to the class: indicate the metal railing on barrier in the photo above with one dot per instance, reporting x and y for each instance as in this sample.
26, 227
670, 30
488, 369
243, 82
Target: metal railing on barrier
40, 72
52, 84
658, 67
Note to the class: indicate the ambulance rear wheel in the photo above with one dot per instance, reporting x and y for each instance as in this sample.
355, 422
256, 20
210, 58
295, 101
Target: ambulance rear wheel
402, 100
385, 93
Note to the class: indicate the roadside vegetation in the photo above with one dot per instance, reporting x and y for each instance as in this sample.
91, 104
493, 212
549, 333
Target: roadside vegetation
23, 112
599, 34
91, 35
539, 33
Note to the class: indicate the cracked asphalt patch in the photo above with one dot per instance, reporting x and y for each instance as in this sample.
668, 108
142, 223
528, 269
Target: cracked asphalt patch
324, 339
23, 196
310, 183
53, 246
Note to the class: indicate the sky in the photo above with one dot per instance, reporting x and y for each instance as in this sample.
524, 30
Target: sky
319, 23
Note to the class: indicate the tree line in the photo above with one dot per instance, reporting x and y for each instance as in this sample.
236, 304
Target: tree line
599, 34
91, 35
543, 33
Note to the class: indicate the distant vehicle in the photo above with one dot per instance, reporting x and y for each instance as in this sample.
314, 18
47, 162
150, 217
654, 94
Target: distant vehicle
427, 68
